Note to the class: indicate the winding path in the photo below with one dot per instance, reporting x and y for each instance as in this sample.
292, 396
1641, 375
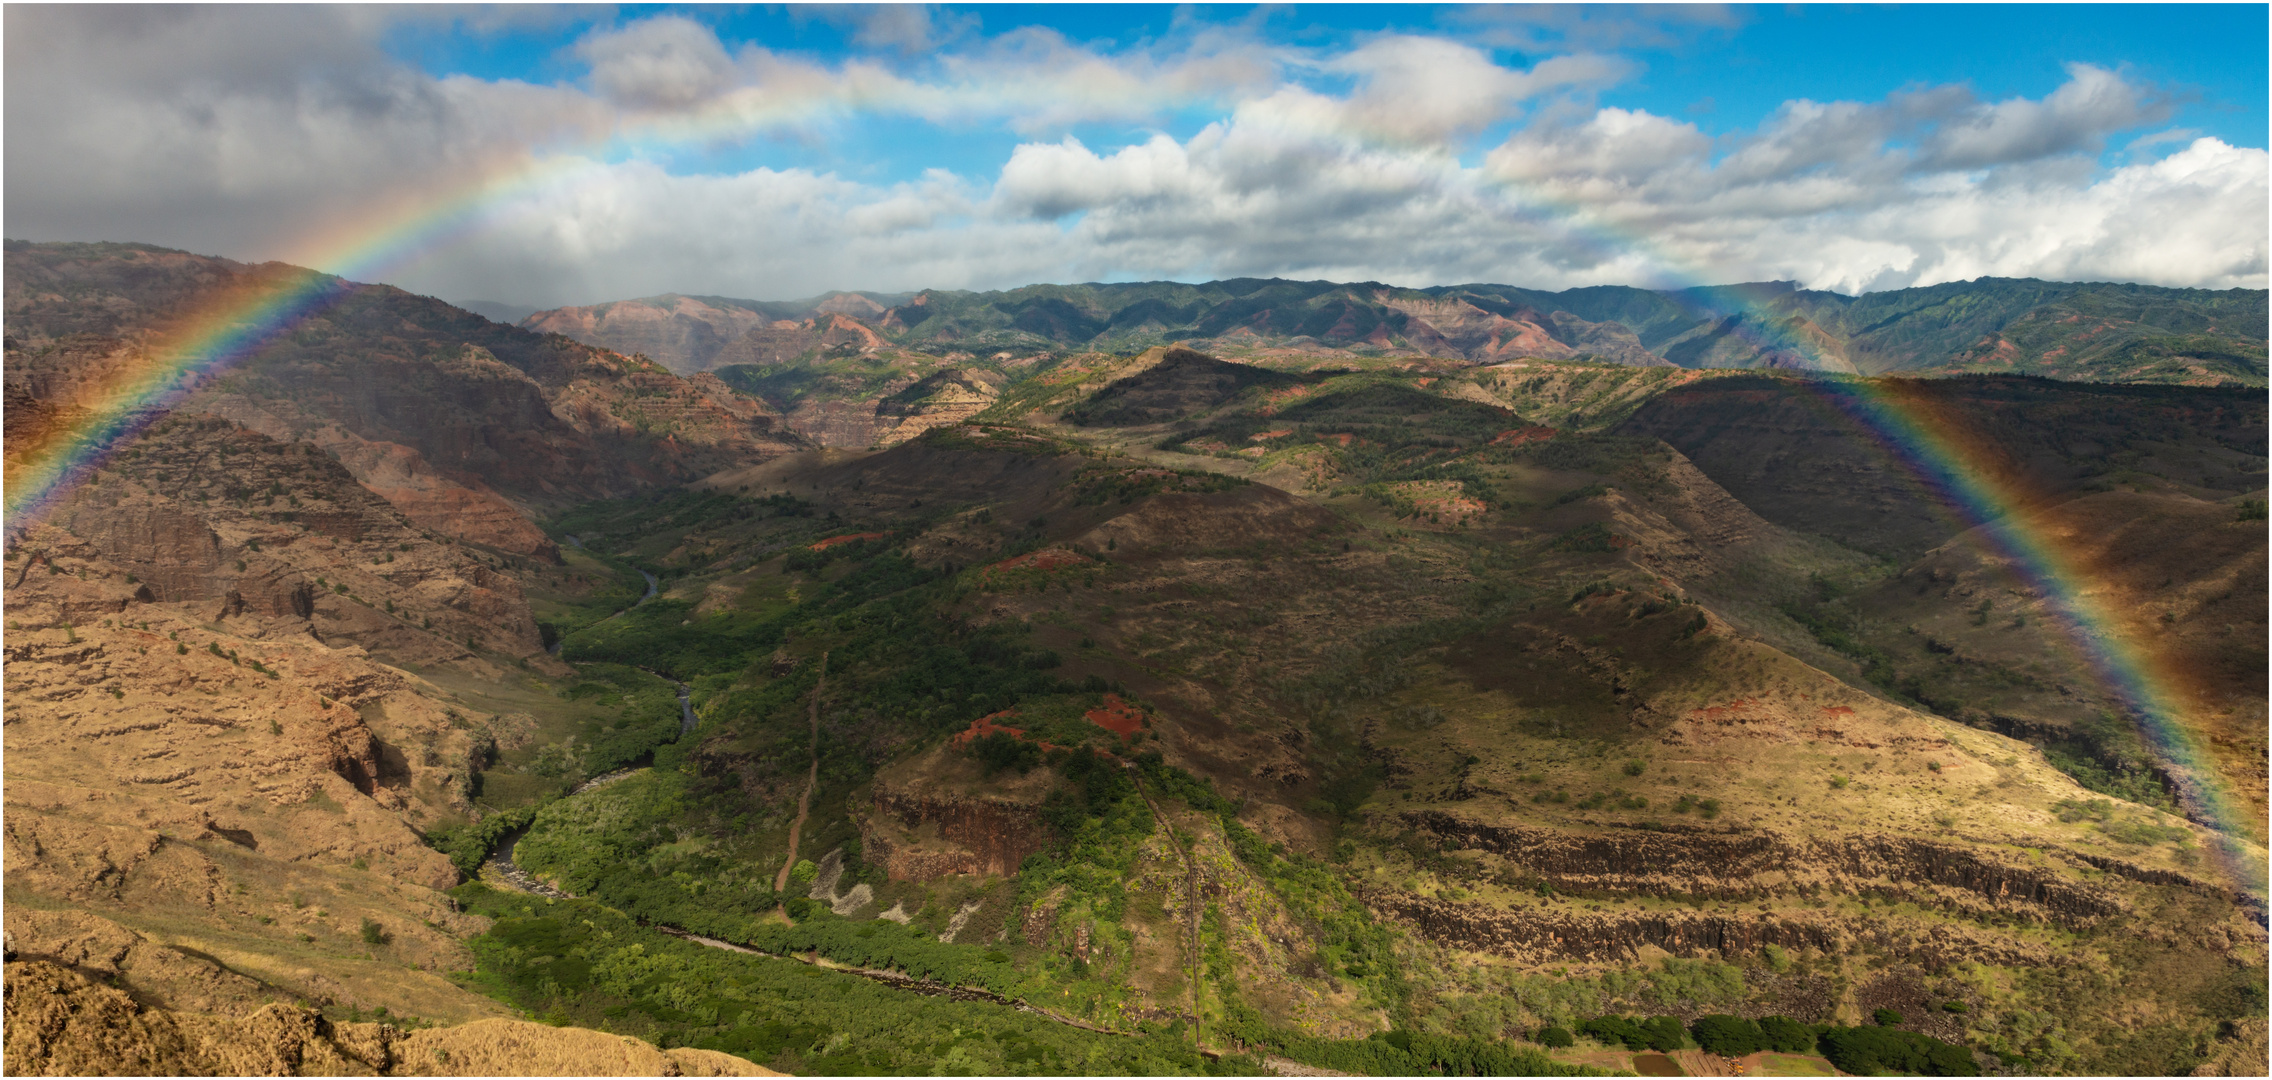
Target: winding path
812, 779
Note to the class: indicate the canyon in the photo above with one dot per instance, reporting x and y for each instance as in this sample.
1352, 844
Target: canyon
1277, 671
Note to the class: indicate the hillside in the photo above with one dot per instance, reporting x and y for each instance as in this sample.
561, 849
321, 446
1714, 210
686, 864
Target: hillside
426, 695
2076, 331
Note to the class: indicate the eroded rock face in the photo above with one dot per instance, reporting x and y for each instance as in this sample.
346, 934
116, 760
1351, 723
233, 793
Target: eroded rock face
974, 835
230, 775
947, 397
1750, 866
201, 511
1541, 934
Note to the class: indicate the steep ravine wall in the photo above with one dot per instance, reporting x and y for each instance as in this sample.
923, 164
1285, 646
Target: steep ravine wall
978, 836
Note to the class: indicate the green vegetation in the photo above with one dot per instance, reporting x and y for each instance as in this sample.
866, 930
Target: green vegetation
467, 845
2110, 758
576, 962
1886, 1051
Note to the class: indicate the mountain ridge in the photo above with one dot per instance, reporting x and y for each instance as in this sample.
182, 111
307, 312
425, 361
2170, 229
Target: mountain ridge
2094, 331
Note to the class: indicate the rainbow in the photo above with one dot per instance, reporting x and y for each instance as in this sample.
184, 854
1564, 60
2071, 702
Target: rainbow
1951, 462
209, 340
171, 369
1947, 457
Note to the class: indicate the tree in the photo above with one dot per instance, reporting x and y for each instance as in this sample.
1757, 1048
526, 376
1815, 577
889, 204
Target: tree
1727, 1036
804, 873
1785, 1034
1664, 1033
1556, 1037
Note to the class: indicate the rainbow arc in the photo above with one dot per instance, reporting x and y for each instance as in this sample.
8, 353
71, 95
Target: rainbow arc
208, 340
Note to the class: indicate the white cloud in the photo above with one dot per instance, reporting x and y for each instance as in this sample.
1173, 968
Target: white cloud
286, 133
1427, 90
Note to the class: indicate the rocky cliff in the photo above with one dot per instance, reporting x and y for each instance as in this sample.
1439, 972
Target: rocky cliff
202, 512
936, 815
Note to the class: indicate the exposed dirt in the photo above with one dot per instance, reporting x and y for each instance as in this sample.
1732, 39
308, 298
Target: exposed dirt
812, 780
61, 1024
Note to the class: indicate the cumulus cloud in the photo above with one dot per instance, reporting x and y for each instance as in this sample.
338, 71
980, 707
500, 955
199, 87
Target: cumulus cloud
662, 62
903, 28
2077, 117
286, 132
1424, 89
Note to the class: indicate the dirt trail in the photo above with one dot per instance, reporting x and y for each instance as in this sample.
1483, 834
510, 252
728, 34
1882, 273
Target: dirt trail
1190, 899
812, 778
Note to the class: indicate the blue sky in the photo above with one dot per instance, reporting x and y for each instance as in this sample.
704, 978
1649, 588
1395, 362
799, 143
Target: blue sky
1723, 69
554, 155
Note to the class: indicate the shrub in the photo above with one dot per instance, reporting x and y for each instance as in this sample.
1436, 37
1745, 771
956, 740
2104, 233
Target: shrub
804, 873
1886, 1017
1002, 750
798, 908
374, 934
1614, 1029
1635, 766
1556, 1037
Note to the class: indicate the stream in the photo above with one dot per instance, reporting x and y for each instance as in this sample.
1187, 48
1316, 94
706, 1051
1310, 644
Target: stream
652, 587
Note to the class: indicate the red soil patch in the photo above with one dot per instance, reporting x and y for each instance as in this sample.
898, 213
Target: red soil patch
1441, 501
1740, 705
1279, 434
1117, 716
1519, 436
1271, 400
1838, 710
1344, 440
985, 725
847, 539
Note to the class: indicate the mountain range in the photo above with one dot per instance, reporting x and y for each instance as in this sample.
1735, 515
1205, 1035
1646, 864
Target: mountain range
2107, 332
924, 687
